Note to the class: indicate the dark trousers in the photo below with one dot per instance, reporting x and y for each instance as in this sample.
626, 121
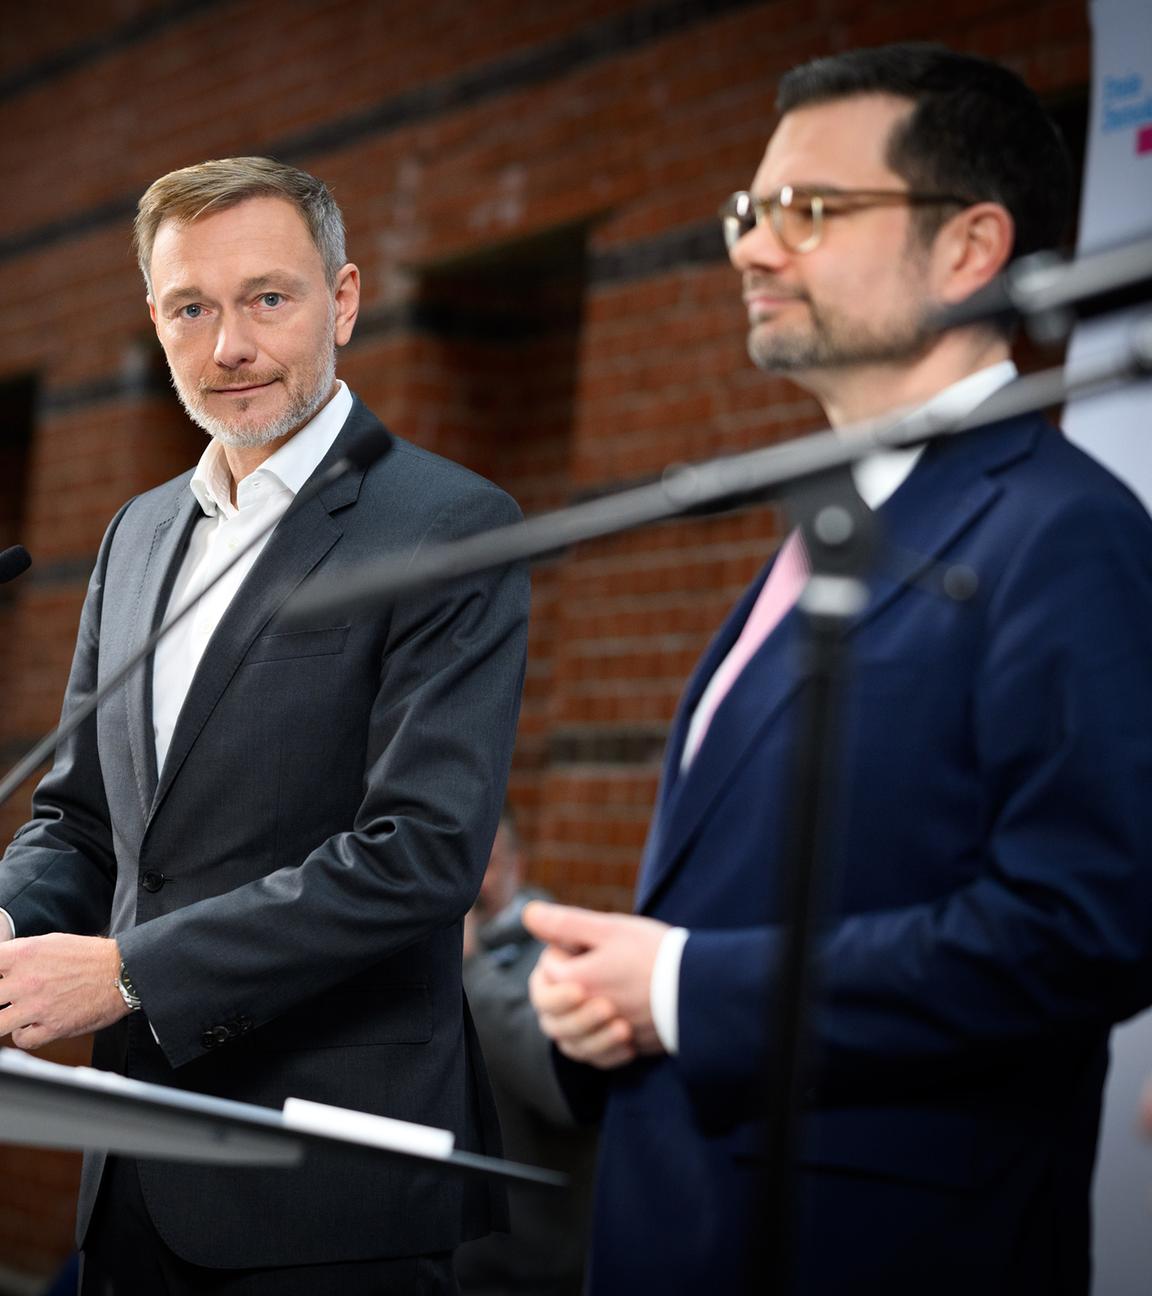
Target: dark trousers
125, 1256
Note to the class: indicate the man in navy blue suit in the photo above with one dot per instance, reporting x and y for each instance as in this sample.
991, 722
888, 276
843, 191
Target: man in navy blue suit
993, 915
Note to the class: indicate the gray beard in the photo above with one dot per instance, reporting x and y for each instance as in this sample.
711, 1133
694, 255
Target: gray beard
298, 412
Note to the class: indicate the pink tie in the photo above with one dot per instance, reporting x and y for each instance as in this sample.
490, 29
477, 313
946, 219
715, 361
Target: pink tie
780, 591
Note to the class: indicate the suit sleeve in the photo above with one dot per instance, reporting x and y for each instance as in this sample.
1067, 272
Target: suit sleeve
439, 746
59, 872
1053, 933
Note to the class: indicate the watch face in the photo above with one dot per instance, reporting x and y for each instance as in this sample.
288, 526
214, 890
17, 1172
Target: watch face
127, 989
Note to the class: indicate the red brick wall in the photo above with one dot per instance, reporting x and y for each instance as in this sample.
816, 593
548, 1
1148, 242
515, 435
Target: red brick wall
455, 136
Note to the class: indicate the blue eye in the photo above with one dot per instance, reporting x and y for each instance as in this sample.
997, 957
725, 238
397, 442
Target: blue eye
271, 299
191, 311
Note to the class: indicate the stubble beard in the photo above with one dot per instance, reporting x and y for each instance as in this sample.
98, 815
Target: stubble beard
303, 401
830, 342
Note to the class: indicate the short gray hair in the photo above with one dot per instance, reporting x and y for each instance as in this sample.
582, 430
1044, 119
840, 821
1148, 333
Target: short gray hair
195, 191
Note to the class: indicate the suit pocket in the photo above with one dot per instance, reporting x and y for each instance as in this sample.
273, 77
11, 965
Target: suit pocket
387, 1014
298, 643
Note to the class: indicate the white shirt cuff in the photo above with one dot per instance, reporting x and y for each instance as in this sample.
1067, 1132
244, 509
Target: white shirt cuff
7, 926
664, 992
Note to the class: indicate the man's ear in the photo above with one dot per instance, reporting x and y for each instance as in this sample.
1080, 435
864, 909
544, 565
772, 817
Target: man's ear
152, 312
347, 297
971, 250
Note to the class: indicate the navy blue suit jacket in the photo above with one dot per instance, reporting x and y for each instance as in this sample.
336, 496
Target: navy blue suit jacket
991, 915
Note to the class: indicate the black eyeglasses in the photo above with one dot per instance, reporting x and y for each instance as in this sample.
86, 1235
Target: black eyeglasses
797, 214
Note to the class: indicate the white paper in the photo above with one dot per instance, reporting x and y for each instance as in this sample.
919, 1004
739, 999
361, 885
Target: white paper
368, 1130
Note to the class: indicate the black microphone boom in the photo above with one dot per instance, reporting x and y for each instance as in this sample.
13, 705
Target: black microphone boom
14, 562
1049, 294
740, 478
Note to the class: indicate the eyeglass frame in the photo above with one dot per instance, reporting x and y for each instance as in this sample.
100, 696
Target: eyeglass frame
785, 197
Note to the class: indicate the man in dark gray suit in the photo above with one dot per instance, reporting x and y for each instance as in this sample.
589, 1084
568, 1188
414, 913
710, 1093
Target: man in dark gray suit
279, 829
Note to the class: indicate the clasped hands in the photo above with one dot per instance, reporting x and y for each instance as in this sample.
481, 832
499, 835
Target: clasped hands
591, 987
57, 986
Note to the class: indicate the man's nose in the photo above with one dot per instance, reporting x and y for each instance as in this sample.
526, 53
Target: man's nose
235, 342
759, 249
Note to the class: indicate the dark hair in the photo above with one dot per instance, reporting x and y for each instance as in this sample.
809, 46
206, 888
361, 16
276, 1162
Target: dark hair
976, 130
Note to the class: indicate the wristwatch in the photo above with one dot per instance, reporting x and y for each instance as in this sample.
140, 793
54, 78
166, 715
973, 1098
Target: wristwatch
127, 990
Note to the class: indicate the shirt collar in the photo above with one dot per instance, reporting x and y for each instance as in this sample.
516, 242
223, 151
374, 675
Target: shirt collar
295, 461
878, 476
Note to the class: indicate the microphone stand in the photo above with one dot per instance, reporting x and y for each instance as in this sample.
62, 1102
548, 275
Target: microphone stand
840, 536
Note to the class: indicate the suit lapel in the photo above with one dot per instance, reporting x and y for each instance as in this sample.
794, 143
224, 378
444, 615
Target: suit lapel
302, 538
752, 704
169, 543
677, 792
705, 668
947, 492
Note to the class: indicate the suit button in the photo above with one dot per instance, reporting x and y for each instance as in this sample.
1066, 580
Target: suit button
214, 1036
152, 881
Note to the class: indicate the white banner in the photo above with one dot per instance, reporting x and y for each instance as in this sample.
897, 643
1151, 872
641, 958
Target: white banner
1117, 429
1116, 207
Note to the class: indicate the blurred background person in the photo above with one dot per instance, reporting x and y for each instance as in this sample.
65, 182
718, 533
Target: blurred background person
543, 1252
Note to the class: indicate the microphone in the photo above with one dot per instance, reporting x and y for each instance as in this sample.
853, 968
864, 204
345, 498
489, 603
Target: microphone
14, 562
1049, 293
361, 452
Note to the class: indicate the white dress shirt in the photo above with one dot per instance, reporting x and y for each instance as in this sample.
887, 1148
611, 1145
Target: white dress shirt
877, 478
262, 497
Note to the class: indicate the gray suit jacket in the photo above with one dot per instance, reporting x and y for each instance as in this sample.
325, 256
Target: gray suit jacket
287, 892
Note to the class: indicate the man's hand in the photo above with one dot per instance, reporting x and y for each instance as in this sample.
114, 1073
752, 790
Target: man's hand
58, 986
591, 987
